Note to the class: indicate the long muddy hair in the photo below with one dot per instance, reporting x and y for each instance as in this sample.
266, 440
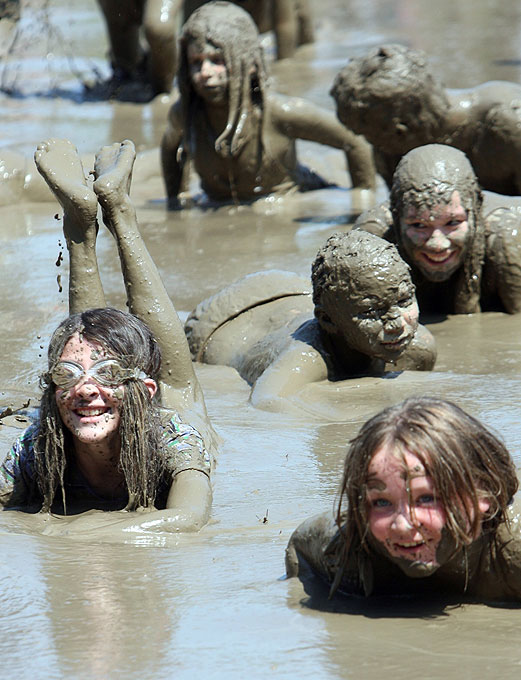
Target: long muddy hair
232, 30
129, 340
428, 176
465, 460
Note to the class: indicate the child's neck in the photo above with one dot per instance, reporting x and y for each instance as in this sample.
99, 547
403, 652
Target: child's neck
99, 464
217, 116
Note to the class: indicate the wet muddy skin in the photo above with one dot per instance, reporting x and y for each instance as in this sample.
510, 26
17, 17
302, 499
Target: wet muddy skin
211, 602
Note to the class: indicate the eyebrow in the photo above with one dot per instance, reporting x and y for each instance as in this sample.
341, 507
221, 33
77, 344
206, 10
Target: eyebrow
373, 482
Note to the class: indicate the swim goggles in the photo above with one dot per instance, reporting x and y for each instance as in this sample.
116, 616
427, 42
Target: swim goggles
107, 372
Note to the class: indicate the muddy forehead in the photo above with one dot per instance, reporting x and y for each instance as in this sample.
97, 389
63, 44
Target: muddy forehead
430, 174
380, 278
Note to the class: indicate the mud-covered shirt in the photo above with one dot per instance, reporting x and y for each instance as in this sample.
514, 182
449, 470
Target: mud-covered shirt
184, 450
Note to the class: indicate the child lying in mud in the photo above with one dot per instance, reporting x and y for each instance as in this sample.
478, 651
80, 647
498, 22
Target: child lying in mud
392, 98
463, 260
363, 316
240, 136
109, 436
425, 508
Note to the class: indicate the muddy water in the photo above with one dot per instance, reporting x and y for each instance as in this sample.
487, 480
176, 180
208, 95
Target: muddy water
211, 605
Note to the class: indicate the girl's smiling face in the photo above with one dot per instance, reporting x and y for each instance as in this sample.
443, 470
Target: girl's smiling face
91, 411
406, 519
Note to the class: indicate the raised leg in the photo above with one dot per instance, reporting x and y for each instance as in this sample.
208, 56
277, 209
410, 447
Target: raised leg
60, 166
147, 297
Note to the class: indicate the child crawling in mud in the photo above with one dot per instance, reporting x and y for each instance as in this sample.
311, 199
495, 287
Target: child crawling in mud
425, 508
391, 96
241, 137
363, 317
109, 435
464, 257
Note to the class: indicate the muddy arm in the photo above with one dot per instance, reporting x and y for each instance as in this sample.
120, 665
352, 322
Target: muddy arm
503, 257
173, 159
308, 542
188, 508
301, 119
377, 221
295, 368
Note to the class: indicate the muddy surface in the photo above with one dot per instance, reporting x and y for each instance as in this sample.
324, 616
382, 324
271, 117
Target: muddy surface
211, 604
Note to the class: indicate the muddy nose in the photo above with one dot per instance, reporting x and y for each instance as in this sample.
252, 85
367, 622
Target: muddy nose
402, 520
393, 321
438, 241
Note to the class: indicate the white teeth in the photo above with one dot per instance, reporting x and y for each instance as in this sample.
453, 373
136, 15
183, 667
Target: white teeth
438, 258
90, 412
410, 545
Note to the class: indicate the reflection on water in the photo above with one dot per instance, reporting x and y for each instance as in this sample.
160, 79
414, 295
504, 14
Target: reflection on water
211, 605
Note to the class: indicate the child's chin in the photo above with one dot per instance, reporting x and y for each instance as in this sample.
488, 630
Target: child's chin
416, 568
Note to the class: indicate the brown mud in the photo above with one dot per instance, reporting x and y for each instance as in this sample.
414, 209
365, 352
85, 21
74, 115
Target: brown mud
162, 606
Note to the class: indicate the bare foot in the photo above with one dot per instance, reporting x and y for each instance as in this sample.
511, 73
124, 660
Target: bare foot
59, 164
113, 173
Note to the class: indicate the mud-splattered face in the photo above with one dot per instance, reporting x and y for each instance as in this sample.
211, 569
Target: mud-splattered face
381, 320
208, 71
436, 240
405, 517
92, 412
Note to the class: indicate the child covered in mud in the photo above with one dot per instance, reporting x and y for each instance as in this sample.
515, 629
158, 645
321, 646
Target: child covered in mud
241, 137
463, 258
425, 508
290, 20
363, 316
109, 435
392, 98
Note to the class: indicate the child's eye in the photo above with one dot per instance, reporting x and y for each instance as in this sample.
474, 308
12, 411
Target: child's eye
406, 302
425, 499
371, 314
380, 503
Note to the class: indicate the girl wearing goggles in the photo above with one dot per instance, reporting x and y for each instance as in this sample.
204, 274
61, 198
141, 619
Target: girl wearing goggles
109, 434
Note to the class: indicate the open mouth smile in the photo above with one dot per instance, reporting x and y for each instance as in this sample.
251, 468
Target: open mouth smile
438, 258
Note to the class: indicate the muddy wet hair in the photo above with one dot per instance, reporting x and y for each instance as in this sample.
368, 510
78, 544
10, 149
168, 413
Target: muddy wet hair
391, 84
336, 267
128, 339
232, 30
465, 460
428, 176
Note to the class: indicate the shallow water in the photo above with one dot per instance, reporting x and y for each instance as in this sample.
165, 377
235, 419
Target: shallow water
211, 605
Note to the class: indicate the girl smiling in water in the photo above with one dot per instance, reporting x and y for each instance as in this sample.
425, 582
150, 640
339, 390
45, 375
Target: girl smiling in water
425, 508
109, 435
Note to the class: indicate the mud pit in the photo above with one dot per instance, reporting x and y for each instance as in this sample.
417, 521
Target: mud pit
210, 604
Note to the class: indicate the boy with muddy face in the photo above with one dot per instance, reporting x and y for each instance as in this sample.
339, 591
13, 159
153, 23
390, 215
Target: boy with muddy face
463, 259
392, 98
240, 136
363, 318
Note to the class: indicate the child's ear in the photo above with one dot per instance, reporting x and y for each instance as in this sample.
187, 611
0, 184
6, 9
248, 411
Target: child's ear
151, 386
325, 320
